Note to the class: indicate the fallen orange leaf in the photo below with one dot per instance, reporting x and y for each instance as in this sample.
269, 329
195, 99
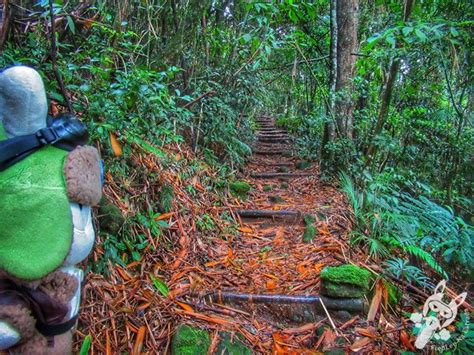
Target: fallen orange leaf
164, 216
375, 304
245, 230
137, 348
116, 146
271, 285
360, 343
185, 306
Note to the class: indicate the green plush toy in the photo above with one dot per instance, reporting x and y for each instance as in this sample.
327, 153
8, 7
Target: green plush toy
48, 181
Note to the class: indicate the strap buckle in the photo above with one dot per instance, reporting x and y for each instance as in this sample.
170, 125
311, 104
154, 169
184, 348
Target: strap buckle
47, 135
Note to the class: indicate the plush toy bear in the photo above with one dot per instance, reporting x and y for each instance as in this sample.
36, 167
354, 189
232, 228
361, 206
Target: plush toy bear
48, 181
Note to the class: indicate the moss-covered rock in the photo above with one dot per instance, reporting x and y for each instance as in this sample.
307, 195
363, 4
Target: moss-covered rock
276, 199
335, 352
267, 188
231, 345
283, 169
309, 233
309, 218
284, 185
110, 217
341, 290
302, 165
345, 281
190, 341
240, 188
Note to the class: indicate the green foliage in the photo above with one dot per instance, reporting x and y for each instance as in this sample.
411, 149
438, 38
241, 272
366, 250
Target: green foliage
309, 233
388, 219
402, 270
86, 345
232, 345
303, 165
190, 341
160, 285
267, 188
166, 198
310, 230
240, 188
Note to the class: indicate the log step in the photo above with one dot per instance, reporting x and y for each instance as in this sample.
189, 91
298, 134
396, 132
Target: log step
279, 175
270, 152
290, 308
271, 132
291, 214
288, 164
272, 135
272, 139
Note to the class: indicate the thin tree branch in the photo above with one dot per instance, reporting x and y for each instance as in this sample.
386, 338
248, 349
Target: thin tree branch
54, 52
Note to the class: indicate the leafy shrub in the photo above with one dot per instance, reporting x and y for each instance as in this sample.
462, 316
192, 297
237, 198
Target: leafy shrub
388, 219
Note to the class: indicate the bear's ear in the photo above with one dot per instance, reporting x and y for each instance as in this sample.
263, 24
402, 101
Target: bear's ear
23, 102
442, 285
83, 176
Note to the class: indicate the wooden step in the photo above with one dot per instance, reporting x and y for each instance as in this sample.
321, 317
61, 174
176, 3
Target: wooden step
274, 133
288, 164
273, 139
270, 214
352, 305
270, 152
271, 131
279, 175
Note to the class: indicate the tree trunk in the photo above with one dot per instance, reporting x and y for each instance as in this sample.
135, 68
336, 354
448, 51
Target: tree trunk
4, 21
329, 129
344, 26
387, 90
347, 44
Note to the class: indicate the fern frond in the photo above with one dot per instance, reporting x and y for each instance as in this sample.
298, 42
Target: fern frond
426, 257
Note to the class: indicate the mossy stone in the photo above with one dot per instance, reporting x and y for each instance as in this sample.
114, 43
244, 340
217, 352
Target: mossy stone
240, 188
283, 169
190, 341
110, 217
348, 273
335, 352
276, 199
321, 329
302, 165
231, 345
267, 188
284, 185
345, 281
309, 233
309, 218
337, 290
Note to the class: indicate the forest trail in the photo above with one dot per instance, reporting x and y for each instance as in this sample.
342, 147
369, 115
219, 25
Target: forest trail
271, 256
292, 225
277, 238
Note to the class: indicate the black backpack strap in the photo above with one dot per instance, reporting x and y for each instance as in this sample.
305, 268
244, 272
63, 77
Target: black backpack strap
17, 148
49, 330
